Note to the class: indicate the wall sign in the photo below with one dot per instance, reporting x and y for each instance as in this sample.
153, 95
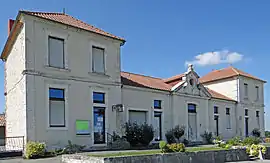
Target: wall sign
82, 127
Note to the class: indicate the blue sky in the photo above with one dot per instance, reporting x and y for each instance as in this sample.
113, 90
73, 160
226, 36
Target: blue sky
164, 35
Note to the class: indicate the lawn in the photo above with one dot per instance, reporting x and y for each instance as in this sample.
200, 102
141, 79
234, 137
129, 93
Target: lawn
151, 152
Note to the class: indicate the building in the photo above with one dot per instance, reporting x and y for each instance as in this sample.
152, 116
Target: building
63, 81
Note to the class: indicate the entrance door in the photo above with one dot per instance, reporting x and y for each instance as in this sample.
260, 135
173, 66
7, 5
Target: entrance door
99, 125
216, 122
246, 127
157, 126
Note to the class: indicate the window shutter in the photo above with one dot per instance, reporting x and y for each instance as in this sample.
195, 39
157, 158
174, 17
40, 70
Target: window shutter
56, 52
98, 60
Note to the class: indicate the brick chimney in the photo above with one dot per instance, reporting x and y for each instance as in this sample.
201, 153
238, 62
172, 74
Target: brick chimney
10, 25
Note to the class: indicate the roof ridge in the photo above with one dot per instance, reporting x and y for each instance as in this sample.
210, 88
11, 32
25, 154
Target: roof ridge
235, 70
141, 75
41, 12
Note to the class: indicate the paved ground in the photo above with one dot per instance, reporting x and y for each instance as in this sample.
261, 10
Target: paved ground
58, 160
20, 160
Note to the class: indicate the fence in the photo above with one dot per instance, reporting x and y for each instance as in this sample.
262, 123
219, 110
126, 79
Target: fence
13, 144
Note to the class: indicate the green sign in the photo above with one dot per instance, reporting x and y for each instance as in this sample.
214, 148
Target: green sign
82, 127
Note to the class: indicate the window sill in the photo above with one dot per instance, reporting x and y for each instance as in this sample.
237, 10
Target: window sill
58, 128
83, 135
57, 69
99, 74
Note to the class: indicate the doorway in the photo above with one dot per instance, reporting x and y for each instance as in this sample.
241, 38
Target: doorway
216, 122
192, 122
246, 127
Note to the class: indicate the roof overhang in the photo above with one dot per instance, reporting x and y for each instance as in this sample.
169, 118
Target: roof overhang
16, 28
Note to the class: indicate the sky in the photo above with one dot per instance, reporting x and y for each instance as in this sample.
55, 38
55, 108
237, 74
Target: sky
164, 36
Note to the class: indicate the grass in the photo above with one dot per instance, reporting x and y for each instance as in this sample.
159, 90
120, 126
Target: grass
151, 152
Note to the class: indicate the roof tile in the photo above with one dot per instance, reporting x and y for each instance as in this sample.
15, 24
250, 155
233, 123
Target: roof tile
69, 20
225, 73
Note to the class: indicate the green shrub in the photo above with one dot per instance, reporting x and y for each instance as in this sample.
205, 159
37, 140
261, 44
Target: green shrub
234, 141
218, 138
115, 136
254, 149
35, 150
251, 140
163, 146
208, 137
228, 146
169, 136
256, 132
72, 148
175, 147
139, 134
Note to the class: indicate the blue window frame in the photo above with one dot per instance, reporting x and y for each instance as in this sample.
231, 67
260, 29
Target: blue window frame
56, 93
99, 97
191, 108
157, 104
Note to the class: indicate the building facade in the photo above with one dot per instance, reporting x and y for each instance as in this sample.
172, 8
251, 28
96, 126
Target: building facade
63, 81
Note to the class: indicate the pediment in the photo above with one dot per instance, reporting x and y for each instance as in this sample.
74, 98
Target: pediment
190, 85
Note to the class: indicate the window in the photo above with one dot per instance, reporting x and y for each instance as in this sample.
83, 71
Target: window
56, 107
258, 118
191, 108
157, 104
228, 118
215, 110
98, 63
246, 89
227, 111
246, 112
99, 97
257, 113
257, 92
56, 52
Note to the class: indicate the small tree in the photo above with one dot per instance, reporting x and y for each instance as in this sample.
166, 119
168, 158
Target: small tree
178, 132
173, 135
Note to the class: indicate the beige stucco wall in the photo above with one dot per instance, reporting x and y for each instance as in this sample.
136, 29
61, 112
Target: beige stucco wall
251, 103
227, 87
222, 105
77, 78
142, 99
15, 106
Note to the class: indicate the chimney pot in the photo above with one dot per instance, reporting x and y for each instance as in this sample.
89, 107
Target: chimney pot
10, 25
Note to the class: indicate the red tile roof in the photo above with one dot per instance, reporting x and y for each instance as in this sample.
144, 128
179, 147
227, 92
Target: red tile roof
225, 73
137, 80
69, 20
2, 120
174, 79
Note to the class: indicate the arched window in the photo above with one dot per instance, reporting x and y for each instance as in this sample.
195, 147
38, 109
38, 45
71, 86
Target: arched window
191, 108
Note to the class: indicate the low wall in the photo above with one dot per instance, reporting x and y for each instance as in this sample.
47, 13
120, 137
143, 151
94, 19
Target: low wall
267, 154
186, 157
